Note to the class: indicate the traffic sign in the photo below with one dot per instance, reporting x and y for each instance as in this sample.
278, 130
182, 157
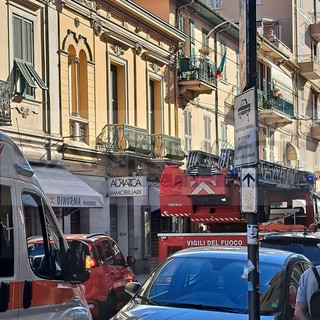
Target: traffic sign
249, 190
245, 129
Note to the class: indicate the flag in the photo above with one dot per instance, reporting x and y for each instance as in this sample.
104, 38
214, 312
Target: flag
219, 72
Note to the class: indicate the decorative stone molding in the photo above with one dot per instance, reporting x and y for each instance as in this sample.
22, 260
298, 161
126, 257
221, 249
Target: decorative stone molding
96, 26
79, 42
87, 3
76, 22
138, 29
173, 62
117, 50
24, 111
154, 67
138, 49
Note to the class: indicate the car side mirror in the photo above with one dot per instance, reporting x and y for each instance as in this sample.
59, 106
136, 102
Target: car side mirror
132, 288
77, 262
131, 260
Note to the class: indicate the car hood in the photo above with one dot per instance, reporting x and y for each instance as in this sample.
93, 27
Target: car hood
133, 311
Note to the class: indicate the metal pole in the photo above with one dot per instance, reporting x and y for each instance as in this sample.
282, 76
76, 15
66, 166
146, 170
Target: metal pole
252, 218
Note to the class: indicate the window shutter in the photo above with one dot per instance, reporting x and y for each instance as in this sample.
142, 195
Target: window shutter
28, 42
23, 39
17, 36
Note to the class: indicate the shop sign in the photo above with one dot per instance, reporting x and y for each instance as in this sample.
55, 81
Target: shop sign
128, 187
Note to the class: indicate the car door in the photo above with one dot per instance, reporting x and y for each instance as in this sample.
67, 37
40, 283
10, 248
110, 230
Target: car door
106, 256
119, 265
44, 293
9, 252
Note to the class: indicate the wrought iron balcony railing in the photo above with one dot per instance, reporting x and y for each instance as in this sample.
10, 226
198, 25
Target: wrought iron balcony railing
197, 68
167, 147
126, 138
79, 129
267, 101
5, 103
122, 138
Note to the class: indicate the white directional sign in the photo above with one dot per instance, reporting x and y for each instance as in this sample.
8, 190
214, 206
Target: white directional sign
249, 190
245, 129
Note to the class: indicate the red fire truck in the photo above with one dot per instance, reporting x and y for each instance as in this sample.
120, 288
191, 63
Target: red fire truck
203, 201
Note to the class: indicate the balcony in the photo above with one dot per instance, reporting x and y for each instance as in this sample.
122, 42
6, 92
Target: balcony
167, 147
315, 31
5, 100
309, 67
79, 129
274, 112
122, 138
196, 74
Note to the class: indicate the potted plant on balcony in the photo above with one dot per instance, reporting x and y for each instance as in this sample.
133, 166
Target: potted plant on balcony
276, 92
205, 51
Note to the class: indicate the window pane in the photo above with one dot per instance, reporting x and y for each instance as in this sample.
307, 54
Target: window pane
43, 237
6, 234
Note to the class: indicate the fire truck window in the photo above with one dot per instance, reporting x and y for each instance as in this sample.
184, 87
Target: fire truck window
6, 233
42, 237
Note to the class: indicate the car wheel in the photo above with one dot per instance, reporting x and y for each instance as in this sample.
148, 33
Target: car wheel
109, 308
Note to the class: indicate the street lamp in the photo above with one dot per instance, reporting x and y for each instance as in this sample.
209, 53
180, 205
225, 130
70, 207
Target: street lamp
216, 30
217, 27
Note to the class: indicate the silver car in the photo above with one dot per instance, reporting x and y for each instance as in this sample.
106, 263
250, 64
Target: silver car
212, 283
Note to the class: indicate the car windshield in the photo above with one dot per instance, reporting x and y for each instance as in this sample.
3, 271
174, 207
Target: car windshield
311, 251
220, 284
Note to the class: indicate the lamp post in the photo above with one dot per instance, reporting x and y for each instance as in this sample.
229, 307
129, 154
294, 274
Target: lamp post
216, 30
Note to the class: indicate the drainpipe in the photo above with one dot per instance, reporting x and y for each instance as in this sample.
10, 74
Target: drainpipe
47, 94
175, 73
182, 6
296, 78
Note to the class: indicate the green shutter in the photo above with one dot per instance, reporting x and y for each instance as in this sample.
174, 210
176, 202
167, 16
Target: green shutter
17, 37
28, 41
22, 39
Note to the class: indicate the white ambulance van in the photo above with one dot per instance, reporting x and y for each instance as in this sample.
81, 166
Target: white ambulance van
35, 283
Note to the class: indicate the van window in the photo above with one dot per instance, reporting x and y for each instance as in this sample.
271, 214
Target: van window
6, 233
43, 237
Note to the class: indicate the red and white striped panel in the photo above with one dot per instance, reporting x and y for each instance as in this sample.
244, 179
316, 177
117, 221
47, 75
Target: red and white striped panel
167, 214
233, 220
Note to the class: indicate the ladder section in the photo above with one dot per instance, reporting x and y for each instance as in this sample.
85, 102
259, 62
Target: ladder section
273, 174
200, 163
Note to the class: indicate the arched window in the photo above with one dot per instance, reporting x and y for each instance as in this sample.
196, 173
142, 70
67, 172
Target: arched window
78, 94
